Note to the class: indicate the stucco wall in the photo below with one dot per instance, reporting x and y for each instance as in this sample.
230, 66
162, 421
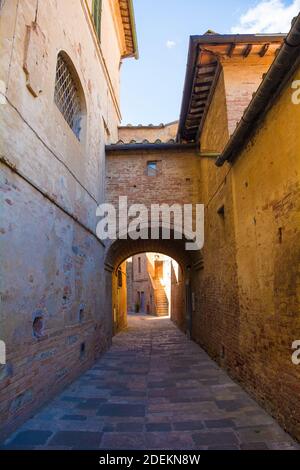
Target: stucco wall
266, 184
242, 78
52, 259
215, 133
178, 306
53, 267
119, 299
214, 136
247, 310
215, 286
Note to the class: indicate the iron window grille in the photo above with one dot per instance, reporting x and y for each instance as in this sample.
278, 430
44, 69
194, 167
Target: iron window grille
66, 96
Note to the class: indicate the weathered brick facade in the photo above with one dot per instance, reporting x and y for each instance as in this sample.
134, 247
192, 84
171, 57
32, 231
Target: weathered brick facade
177, 180
51, 183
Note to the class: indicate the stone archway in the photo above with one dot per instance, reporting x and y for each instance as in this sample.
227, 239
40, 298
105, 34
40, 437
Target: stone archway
120, 250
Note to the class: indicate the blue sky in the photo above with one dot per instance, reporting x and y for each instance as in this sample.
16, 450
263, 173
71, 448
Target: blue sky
151, 87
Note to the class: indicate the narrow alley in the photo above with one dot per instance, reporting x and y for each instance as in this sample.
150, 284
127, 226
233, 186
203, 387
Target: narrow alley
154, 389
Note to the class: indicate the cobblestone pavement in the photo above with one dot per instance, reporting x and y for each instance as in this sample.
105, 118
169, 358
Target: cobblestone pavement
154, 389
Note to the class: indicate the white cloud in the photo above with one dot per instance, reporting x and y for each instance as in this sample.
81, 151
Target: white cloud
268, 16
170, 44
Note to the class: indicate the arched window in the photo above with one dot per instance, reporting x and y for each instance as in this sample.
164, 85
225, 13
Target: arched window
97, 7
68, 94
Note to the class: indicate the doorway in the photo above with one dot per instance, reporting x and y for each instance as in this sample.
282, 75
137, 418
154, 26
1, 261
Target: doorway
142, 301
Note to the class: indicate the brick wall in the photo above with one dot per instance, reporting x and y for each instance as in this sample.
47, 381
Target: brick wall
53, 269
53, 262
177, 181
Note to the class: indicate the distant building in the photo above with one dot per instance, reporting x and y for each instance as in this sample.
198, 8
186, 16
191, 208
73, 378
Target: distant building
149, 278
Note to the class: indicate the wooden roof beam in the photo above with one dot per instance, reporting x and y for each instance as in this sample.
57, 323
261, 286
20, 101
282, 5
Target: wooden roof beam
197, 106
202, 70
231, 50
198, 93
203, 82
247, 50
200, 98
264, 50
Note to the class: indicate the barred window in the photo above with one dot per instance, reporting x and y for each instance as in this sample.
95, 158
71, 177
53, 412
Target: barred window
67, 95
97, 7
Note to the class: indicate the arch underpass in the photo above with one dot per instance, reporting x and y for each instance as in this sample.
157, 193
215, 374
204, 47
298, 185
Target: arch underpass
174, 182
120, 250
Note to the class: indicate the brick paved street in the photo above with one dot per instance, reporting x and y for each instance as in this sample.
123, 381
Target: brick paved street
154, 389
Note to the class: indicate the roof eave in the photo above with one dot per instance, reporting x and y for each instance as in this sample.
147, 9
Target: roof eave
285, 64
213, 39
134, 34
149, 147
135, 52
238, 38
188, 84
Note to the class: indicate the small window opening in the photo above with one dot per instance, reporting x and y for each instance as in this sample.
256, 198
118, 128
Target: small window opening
82, 350
139, 265
221, 211
81, 313
152, 169
38, 327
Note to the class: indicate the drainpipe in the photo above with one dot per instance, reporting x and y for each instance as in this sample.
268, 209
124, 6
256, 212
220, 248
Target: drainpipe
285, 61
